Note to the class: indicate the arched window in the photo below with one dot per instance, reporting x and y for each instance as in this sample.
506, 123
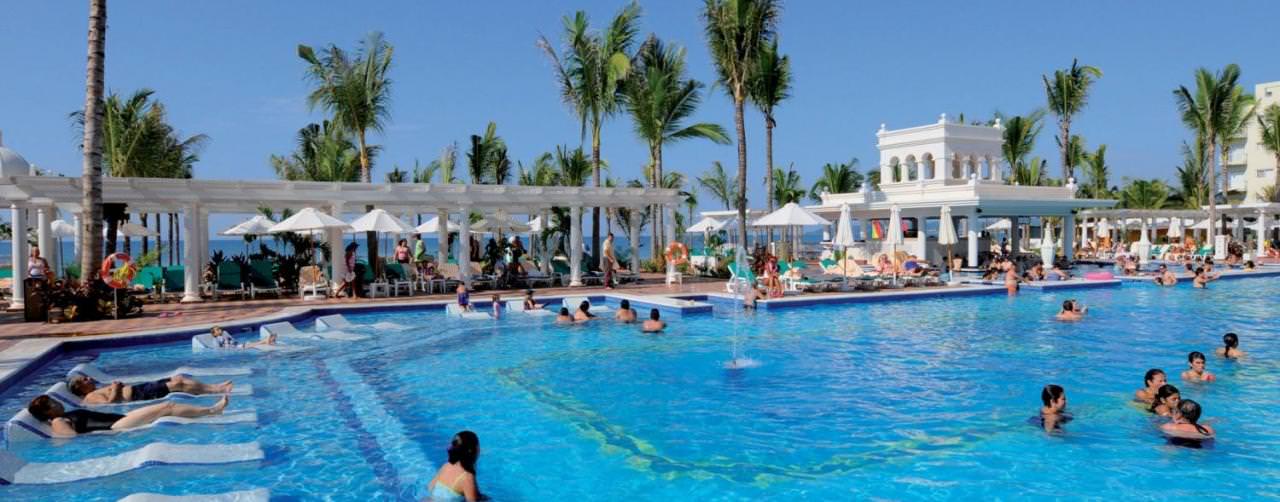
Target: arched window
930, 172
913, 169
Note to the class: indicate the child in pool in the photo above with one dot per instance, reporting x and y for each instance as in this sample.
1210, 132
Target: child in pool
1166, 401
1230, 347
1153, 380
1196, 372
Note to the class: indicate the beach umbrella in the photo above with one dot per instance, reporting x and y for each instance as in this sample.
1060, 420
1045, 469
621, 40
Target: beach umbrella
499, 223
537, 226
432, 226
1175, 229
381, 222
1001, 224
707, 225
791, 215
257, 225
62, 229
309, 221
895, 235
844, 236
947, 232
134, 230
1046, 245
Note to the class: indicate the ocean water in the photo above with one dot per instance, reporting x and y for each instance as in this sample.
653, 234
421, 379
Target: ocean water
920, 399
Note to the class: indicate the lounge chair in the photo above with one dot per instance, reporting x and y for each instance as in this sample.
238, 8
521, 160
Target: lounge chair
262, 279
373, 285
18, 471
91, 371
254, 495
312, 280
517, 306
399, 279
204, 342
150, 278
173, 281
287, 330
340, 323
737, 275
479, 278
24, 426
62, 393
229, 280
533, 276
453, 310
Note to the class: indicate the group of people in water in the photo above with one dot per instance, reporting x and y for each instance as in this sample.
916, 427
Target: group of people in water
1160, 398
625, 313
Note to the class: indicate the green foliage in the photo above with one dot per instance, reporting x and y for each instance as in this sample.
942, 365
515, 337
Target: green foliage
717, 182
1066, 95
1020, 134
446, 165
396, 175
1096, 174
573, 167
487, 160
1269, 127
787, 186
1193, 185
325, 153
837, 178
355, 90
737, 32
1144, 194
138, 141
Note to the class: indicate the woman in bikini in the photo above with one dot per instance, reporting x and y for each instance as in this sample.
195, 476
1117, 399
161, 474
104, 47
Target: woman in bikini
456, 479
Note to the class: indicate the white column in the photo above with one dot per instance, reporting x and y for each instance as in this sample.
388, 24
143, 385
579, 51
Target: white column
1237, 230
1015, 235
19, 227
575, 246
1262, 234
203, 234
442, 237
337, 254
1069, 237
76, 248
547, 252
634, 239
191, 255
1084, 231
922, 239
669, 222
44, 237
464, 246
972, 228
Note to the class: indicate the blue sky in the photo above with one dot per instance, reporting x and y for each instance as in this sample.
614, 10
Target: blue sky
229, 70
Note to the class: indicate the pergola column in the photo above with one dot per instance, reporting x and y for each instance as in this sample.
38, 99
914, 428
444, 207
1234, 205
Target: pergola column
1084, 230
44, 237
205, 254
922, 239
442, 237
19, 238
575, 246
669, 222
1237, 230
337, 254
77, 243
547, 252
1015, 235
1069, 237
190, 255
633, 237
464, 246
971, 238
1262, 234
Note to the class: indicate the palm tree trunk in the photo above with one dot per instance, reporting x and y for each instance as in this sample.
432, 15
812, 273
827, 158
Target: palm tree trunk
661, 228
91, 176
738, 99
145, 239
768, 164
1064, 135
653, 209
1213, 183
595, 211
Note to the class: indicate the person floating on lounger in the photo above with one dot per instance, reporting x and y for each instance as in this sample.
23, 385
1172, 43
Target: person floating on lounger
116, 392
70, 423
224, 341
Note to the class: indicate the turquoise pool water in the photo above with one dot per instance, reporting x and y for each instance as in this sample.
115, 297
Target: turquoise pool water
906, 400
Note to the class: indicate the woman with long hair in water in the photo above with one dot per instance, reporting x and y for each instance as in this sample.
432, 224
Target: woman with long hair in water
456, 479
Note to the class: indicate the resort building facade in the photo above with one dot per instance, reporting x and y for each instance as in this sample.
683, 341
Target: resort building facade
1250, 167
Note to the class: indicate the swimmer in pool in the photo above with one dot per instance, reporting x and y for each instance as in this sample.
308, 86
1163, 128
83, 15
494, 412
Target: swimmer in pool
563, 317
1011, 277
1166, 401
116, 392
1196, 371
1053, 414
1153, 380
1070, 311
529, 303
654, 323
1187, 425
584, 312
625, 313
495, 303
1166, 277
1230, 347
67, 424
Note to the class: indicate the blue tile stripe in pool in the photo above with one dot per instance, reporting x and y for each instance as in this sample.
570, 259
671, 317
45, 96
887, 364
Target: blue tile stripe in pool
365, 442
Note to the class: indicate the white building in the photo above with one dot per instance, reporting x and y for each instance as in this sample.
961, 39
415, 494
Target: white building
1250, 167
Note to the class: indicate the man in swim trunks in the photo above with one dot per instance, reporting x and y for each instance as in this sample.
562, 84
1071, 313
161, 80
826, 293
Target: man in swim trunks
70, 423
116, 392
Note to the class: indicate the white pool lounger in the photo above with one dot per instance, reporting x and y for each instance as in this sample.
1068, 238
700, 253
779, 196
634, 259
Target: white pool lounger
453, 310
23, 426
572, 302
259, 495
517, 307
286, 330
205, 343
62, 393
93, 372
339, 323
14, 470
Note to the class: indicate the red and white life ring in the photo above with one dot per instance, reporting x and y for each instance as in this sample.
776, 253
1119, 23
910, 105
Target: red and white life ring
108, 271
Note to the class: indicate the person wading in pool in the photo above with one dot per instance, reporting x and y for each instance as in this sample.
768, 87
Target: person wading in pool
86, 389
1053, 412
1071, 311
1195, 369
456, 479
1186, 426
1231, 347
584, 312
1011, 277
654, 323
625, 313
70, 423
1153, 380
1166, 401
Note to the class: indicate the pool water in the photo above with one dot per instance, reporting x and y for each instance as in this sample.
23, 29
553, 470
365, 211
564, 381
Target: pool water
915, 399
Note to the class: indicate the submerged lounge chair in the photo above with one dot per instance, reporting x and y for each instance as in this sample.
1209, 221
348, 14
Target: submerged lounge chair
286, 330
93, 372
453, 310
23, 426
256, 495
62, 393
517, 306
572, 302
15, 470
338, 322
204, 342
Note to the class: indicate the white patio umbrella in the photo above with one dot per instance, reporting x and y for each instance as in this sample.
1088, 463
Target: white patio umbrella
895, 235
62, 229
844, 236
1001, 224
1175, 229
1047, 246
381, 222
537, 226
499, 223
791, 215
432, 226
947, 232
257, 225
134, 230
309, 221
707, 225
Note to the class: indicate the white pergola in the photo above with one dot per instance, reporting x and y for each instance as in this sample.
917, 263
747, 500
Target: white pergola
1263, 214
197, 199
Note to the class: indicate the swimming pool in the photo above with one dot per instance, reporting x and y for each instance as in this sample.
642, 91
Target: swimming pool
924, 398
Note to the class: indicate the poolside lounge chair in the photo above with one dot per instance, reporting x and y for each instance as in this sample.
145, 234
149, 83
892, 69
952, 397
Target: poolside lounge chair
373, 284
20, 472
24, 426
229, 280
340, 323
287, 330
312, 280
150, 278
173, 281
517, 306
533, 276
736, 275
262, 279
479, 278
453, 310
399, 279
62, 393
572, 302
97, 374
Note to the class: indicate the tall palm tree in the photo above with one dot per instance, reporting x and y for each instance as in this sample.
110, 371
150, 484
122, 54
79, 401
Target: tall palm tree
660, 98
1097, 172
1144, 194
357, 92
1193, 189
1076, 154
1066, 94
1020, 134
769, 84
91, 176
591, 73
487, 160
718, 183
837, 178
787, 187
541, 173
1269, 127
737, 32
1207, 112
325, 152
445, 165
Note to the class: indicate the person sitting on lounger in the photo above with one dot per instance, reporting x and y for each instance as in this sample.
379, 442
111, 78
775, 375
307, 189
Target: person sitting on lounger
563, 317
116, 392
529, 303
884, 266
1057, 274
654, 323
772, 281
70, 423
1152, 381
464, 299
625, 313
224, 341
584, 312
1231, 347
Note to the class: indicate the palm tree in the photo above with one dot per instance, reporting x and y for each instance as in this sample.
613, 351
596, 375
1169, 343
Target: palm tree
1030, 173
591, 74
1207, 112
787, 187
1144, 194
1020, 134
357, 92
1096, 173
396, 175
485, 155
1193, 189
718, 183
660, 98
1066, 95
1076, 154
737, 32
445, 165
837, 178
769, 84
91, 176
1240, 110
325, 153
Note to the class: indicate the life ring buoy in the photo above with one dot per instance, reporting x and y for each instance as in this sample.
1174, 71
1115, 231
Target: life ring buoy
677, 253
117, 277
